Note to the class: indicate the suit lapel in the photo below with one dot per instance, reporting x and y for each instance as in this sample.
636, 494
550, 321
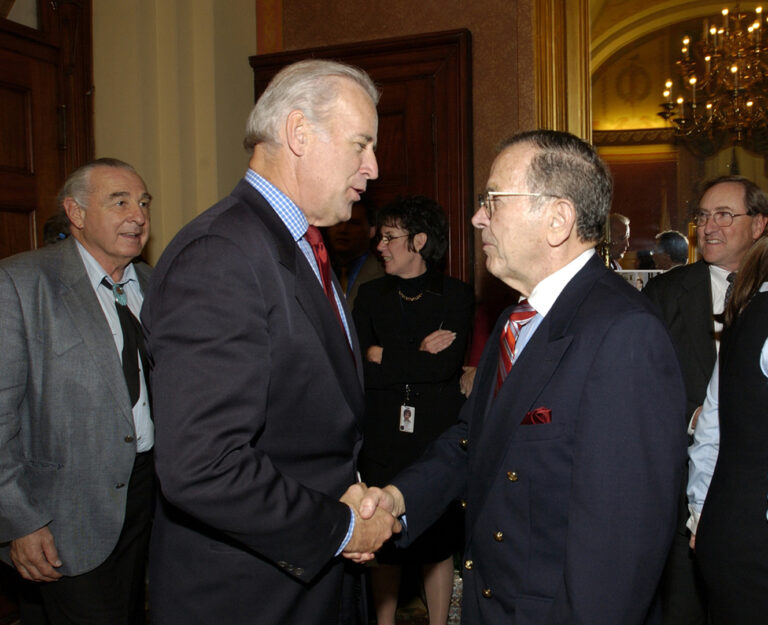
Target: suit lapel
311, 297
84, 309
531, 373
356, 355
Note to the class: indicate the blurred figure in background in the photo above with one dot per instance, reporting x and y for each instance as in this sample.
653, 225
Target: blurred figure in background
55, 228
619, 238
671, 249
353, 260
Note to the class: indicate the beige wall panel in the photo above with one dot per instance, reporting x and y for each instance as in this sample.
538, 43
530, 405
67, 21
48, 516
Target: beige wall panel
172, 91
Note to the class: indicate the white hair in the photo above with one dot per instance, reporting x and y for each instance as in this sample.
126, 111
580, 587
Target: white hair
310, 86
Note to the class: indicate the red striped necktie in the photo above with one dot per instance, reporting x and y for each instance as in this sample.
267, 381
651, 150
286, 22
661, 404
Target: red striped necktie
521, 314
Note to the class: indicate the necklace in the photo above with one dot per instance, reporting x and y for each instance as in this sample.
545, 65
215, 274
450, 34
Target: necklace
415, 298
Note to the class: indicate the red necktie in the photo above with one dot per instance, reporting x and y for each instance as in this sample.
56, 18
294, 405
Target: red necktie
521, 314
315, 239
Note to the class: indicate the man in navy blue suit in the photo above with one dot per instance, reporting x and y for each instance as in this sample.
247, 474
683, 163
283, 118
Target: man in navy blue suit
257, 391
568, 450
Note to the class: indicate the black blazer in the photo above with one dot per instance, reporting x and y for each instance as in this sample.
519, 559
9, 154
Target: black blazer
683, 295
257, 401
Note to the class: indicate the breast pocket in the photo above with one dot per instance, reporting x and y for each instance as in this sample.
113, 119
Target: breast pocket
539, 431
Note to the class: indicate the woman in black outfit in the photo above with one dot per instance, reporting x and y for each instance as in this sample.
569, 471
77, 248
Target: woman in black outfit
413, 326
732, 538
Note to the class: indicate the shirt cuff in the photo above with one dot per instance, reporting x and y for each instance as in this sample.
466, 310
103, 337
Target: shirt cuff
350, 530
693, 521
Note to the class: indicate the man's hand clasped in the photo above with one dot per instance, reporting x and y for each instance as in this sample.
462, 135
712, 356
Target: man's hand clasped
376, 513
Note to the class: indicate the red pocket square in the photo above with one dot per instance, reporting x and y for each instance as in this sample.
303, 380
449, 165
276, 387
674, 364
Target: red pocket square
537, 415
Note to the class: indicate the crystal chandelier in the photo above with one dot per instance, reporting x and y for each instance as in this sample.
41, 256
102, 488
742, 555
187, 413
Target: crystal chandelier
721, 97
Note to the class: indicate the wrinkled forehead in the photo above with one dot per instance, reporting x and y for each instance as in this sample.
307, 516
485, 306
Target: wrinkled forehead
115, 179
510, 168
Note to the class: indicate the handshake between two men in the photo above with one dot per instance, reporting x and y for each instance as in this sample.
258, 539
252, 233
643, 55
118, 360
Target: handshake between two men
376, 511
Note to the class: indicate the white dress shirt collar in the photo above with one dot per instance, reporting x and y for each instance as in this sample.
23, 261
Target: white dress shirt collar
544, 294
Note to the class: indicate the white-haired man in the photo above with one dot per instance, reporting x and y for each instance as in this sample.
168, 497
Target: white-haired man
76, 435
257, 373
566, 461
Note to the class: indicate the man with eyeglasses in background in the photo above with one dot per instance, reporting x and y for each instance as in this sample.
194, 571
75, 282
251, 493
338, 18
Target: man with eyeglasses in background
567, 450
731, 214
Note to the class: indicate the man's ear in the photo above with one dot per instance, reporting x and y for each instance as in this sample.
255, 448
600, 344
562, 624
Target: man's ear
561, 221
297, 132
75, 213
758, 226
419, 241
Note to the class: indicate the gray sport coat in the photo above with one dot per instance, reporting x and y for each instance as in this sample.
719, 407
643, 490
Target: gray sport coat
67, 439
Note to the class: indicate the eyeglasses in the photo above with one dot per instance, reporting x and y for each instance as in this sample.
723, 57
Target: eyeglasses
385, 238
720, 218
487, 200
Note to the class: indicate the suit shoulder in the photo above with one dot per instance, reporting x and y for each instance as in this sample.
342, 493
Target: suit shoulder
676, 276
238, 219
34, 264
613, 296
614, 308
680, 283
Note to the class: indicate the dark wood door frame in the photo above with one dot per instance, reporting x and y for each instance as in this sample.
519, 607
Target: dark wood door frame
441, 63
53, 108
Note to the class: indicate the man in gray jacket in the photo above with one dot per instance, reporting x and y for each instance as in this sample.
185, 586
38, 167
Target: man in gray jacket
76, 473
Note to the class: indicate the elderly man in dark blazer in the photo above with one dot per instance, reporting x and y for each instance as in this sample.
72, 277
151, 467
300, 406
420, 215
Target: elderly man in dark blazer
730, 215
257, 374
567, 452
76, 478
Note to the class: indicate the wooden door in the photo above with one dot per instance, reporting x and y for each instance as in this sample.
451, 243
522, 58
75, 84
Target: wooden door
29, 159
46, 121
425, 117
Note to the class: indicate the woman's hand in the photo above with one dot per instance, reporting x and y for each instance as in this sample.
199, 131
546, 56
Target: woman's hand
374, 353
437, 341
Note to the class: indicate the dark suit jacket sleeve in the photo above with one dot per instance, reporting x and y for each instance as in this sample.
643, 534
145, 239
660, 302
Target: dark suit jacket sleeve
433, 482
20, 514
404, 363
210, 340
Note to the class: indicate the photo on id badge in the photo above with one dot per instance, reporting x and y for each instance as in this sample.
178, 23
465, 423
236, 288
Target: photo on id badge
407, 418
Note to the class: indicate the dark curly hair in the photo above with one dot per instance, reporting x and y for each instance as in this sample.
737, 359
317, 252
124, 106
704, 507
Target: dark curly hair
416, 213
